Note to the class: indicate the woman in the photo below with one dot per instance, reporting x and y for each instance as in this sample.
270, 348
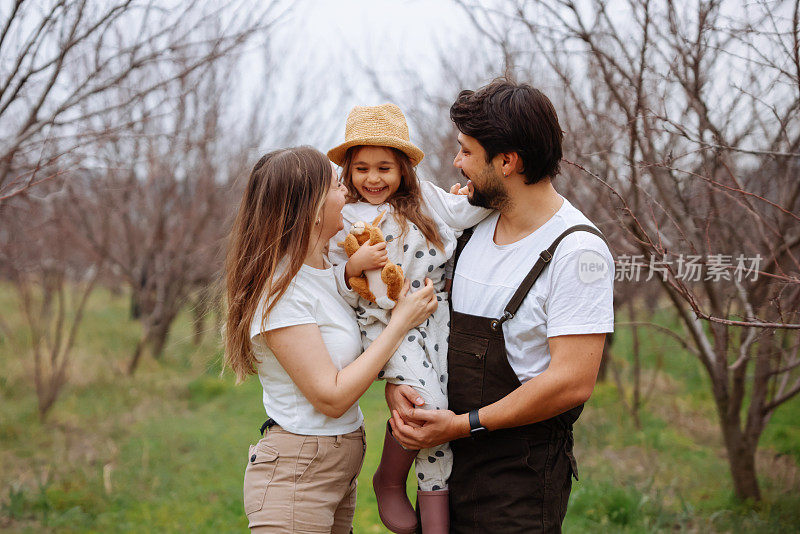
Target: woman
288, 324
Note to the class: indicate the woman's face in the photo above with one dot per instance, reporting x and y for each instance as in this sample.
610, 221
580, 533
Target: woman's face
376, 173
331, 212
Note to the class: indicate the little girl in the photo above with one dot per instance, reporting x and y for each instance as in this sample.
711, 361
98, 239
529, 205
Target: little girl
421, 225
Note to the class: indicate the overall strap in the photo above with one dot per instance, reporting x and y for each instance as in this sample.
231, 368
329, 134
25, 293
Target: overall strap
527, 283
460, 244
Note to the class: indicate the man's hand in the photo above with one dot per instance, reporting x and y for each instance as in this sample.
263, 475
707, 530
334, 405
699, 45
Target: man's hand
367, 257
403, 399
438, 426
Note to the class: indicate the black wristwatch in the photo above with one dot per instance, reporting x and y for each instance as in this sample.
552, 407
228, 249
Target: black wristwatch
475, 428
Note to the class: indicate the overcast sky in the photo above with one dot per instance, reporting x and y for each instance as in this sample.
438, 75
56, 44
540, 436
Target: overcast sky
326, 44
387, 33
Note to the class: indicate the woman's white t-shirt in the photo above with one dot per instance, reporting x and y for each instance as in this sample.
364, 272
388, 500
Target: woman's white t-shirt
311, 298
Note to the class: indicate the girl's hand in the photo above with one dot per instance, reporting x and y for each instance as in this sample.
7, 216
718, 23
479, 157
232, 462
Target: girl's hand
413, 308
456, 189
367, 257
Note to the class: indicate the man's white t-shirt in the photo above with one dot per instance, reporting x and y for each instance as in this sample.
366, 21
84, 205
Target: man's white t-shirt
573, 295
311, 298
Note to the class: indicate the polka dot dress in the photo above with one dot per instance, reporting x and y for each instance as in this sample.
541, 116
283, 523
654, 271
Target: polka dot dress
421, 360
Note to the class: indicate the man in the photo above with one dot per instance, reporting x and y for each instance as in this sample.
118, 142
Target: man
532, 302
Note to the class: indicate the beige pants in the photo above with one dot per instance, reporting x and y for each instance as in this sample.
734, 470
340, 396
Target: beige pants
298, 483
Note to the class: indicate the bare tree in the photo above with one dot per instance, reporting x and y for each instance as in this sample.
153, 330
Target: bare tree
170, 184
113, 95
53, 276
686, 116
63, 63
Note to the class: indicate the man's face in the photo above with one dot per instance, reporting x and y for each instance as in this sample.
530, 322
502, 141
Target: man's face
485, 184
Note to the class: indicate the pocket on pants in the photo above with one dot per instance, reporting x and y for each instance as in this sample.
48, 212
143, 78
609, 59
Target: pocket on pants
309, 453
261, 463
466, 358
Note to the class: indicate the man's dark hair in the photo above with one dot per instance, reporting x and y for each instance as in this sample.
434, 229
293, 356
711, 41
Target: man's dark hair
506, 116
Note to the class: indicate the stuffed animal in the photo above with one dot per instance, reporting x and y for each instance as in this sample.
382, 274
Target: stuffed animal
381, 286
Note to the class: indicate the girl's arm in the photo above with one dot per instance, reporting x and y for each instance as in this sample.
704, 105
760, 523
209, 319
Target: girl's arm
302, 353
454, 210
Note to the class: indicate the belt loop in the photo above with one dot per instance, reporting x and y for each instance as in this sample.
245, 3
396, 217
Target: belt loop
338, 441
269, 423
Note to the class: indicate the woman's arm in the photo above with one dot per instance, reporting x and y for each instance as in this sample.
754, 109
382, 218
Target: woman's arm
302, 353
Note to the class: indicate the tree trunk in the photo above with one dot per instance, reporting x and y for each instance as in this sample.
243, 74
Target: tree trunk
636, 394
136, 308
48, 392
46, 401
742, 462
602, 372
137, 355
158, 339
159, 332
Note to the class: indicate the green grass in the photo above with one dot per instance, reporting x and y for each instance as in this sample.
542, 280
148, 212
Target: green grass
165, 450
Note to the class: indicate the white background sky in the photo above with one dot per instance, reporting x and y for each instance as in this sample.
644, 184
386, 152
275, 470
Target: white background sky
321, 48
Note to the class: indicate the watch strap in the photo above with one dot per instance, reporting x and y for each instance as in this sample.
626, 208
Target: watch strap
476, 429
474, 420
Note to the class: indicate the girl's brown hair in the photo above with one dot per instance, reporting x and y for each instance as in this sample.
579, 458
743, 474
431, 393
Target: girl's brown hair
281, 203
406, 201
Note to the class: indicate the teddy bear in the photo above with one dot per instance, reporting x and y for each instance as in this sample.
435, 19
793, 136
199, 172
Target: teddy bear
381, 286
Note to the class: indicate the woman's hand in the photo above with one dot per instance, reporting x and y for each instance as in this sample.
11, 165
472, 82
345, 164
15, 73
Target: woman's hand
413, 308
367, 257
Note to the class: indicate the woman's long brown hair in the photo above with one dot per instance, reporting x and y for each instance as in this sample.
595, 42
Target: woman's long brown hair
406, 201
284, 195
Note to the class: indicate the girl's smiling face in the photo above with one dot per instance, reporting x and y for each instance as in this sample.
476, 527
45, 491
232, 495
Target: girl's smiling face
375, 173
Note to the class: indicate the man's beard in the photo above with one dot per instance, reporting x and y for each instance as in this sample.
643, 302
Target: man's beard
492, 194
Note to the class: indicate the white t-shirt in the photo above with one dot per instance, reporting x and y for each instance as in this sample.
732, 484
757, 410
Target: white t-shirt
311, 298
573, 295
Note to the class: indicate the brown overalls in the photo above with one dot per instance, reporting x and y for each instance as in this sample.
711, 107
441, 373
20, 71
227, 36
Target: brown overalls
514, 480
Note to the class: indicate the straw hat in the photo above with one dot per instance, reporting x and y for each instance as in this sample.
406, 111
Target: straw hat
383, 125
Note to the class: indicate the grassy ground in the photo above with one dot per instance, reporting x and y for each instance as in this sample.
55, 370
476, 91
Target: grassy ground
164, 451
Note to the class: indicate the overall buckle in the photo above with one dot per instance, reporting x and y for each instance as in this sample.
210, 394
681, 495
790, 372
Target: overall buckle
497, 323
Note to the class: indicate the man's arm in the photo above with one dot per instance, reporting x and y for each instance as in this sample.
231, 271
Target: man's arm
567, 382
